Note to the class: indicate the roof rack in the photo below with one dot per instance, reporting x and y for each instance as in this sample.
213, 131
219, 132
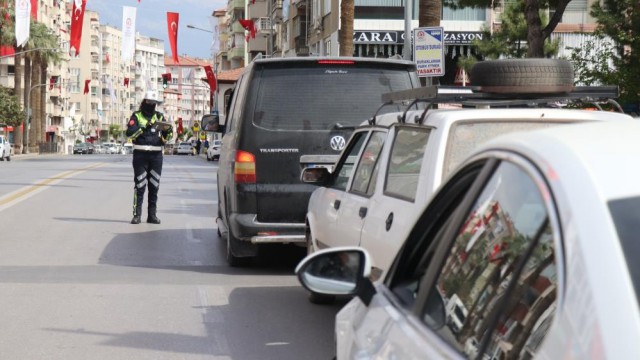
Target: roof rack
472, 96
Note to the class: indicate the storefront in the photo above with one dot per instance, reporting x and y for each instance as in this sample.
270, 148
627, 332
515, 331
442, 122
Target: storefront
384, 44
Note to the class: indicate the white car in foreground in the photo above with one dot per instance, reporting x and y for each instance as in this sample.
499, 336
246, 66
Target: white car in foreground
536, 236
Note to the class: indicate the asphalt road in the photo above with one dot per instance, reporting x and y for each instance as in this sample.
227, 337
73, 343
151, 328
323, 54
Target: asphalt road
78, 281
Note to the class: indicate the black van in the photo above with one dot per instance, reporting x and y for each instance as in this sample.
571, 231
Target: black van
287, 114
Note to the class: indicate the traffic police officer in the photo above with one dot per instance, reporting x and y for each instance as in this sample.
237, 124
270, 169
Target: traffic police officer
148, 138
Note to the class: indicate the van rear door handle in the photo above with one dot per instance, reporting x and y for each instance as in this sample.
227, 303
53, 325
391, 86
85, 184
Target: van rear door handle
362, 212
336, 204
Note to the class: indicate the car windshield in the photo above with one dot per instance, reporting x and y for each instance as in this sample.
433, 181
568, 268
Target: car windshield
626, 217
331, 94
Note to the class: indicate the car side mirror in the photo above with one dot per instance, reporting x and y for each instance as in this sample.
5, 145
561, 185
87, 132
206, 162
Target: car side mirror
338, 271
211, 123
315, 175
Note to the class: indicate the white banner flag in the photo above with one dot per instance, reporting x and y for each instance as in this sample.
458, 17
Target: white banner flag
113, 94
128, 32
23, 13
215, 45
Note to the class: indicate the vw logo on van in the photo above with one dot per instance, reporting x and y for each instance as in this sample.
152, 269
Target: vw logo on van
337, 143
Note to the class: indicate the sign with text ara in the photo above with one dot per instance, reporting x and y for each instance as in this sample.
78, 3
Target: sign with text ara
428, 50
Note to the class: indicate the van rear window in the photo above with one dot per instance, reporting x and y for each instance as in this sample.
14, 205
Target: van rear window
317, 96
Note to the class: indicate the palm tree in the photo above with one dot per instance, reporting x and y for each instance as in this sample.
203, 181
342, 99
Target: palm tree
8, 37
347, 11
429, 13
43, 39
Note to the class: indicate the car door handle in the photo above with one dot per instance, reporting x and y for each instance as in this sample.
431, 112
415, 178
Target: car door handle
362, 212
389, 221
336, 204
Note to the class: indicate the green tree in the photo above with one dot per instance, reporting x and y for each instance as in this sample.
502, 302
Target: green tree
10, 111
115, 130
537, 33
612, 57
510, 40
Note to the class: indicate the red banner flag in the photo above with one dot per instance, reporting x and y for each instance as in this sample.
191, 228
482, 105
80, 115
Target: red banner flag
211, 77
126, 82
34, 10
107, 58
86, 86
250, 26
172, 26
52, 81
179, 129
77, 17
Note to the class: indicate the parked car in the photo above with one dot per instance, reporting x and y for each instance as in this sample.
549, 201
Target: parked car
83, 148
184, 148
110, 148
98, 149
287, 114
6, 150
388, 171
536, 234
213, 152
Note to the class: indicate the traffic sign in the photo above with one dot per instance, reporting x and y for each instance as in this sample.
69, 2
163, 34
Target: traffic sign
428, 50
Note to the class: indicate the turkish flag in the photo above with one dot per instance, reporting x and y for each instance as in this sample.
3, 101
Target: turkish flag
107, 58
172, 27
34, 10
211, 77
126, 82
180, 130
52, 81
250, 26
77, 17
86, 86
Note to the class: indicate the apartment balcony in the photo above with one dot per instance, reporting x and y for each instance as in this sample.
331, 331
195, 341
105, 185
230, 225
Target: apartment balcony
236, 53
235, 5
95, 67
237, 28
276, 11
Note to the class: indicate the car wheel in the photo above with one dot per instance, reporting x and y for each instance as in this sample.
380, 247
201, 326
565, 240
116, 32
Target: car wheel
232, 260
9, 158
307, 234
530, 76
208, 158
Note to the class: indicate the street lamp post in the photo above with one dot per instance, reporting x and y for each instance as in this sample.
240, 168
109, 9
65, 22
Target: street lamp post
215, 69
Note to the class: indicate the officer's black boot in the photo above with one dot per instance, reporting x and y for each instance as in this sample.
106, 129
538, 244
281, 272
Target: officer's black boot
153, 219
136, 219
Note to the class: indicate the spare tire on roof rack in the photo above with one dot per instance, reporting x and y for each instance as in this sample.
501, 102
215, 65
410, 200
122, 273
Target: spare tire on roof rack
523, 76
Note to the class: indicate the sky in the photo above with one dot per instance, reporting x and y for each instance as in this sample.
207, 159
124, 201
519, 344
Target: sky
151, 20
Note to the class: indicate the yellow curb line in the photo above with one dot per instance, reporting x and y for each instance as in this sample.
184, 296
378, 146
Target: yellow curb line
27, 190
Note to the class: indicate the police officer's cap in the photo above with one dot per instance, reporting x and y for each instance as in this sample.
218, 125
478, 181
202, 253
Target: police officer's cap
151, 96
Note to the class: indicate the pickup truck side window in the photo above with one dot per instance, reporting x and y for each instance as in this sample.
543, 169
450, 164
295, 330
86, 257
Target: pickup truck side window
344, 169
368, 163
405, 163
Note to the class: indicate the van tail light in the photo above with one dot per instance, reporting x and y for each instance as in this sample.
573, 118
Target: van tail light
244, 170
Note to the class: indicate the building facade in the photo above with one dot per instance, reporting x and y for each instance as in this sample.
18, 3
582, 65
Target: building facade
188, 90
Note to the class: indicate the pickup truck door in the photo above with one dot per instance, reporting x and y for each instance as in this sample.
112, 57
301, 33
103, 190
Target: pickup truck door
326, 203
355, 203
398, 201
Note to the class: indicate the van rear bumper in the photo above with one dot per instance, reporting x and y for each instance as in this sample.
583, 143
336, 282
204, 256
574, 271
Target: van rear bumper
245, 227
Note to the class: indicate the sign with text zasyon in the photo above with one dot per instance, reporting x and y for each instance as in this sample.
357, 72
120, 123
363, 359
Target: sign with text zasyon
428, 51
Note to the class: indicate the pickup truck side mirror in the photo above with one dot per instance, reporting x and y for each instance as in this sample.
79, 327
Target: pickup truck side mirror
315, 175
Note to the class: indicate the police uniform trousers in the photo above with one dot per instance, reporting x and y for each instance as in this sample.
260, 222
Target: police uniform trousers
147, 168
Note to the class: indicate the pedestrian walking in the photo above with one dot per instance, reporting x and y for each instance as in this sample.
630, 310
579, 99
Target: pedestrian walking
148, 136
198, 145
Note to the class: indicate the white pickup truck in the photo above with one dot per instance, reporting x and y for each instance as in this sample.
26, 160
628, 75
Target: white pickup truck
6, 150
